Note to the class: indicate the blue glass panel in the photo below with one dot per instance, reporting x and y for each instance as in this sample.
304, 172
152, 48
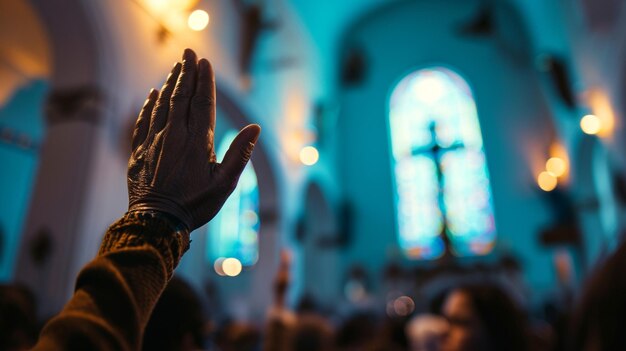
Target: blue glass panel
433, 119
234, 231
467, 201
419, 217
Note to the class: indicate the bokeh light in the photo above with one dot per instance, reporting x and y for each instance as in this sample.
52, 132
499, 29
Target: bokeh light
556, 166
231, 267
602, 108
217, 265
309, 155
590, 124
547, 181
403, 306
198, 20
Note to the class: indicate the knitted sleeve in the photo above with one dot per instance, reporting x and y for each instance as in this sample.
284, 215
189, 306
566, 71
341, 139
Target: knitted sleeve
116, 292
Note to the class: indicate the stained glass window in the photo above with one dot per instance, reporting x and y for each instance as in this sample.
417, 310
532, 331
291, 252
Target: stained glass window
441, 178
233, 233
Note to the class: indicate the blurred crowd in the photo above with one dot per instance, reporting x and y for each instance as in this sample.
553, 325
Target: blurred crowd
474, 308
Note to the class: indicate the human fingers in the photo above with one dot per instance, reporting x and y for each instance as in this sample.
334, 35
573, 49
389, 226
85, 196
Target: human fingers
202, 113
184, 91
143, 121
161, 109
239, 152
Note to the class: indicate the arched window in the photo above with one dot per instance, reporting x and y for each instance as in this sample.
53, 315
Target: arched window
440, 172
233, 233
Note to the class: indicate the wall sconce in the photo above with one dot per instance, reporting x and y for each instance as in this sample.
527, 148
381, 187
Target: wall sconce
174, 15
603, 113
556, 169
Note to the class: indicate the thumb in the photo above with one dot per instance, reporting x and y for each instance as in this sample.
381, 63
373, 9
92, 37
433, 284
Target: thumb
240, 150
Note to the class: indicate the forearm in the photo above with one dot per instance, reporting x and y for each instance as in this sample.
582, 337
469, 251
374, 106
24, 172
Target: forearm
116, 292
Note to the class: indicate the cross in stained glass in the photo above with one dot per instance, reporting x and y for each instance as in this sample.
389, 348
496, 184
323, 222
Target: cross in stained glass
442, 191
436, 151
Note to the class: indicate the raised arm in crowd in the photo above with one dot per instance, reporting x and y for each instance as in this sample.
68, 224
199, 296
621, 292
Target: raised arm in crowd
175, 185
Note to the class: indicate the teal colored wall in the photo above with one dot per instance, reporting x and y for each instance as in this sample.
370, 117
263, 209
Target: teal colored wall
514, 118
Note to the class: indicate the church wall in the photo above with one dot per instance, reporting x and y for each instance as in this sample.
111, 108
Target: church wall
279, 99
514, 116
596, 60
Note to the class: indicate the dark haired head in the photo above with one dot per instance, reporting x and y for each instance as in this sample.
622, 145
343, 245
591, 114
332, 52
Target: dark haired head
502, 324
312, 333
177, 322
18, 321
601, 314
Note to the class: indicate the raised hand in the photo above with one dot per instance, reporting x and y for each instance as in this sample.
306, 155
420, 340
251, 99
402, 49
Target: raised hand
172, 168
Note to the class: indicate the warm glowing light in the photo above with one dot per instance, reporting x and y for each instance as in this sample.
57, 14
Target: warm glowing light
602, 107
590, 124
217, 265
547, 181
161, 7
556, 166
231, 267
157, 5
309, 155
198, 20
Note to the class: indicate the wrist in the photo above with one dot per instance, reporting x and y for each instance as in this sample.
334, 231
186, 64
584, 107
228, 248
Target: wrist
176, 223
166, 210
136, 229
